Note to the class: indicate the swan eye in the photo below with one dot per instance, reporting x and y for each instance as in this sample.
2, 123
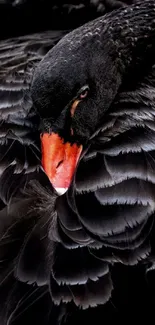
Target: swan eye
84, 94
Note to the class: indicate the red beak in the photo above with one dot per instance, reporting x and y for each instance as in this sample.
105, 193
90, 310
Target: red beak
59, 160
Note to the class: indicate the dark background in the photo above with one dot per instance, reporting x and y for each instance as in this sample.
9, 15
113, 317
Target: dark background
18, 17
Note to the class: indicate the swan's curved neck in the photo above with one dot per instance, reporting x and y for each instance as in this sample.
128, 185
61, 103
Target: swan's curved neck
130, 32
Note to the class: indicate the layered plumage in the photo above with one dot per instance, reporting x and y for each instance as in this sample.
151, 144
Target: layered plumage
61, 253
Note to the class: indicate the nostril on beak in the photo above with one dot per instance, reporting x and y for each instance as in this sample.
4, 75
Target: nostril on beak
59, 163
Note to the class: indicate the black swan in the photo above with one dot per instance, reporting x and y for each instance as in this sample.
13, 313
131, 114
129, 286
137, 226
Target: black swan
83, 127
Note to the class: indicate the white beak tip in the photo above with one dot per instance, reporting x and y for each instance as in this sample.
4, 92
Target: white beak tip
61, 190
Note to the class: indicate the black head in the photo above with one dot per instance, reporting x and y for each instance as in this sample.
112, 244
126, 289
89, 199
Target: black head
74, 84
91, 61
